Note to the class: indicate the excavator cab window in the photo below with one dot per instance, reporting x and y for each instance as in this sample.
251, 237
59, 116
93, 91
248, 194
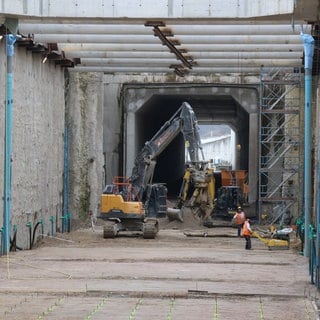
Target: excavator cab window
109, 189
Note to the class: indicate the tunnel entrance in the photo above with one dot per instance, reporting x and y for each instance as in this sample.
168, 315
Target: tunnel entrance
219, 107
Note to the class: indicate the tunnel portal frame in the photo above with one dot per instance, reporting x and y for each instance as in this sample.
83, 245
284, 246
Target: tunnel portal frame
135, 96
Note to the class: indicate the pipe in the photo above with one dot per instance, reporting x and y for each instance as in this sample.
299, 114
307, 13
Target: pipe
308, 43
241, 47
62, 223
68, 222
195, 55
185, 39
65, 223
317, 239
52, 225
29, 225
195, 70
152, 62
130, 29
1, 241
65, 174
10, 40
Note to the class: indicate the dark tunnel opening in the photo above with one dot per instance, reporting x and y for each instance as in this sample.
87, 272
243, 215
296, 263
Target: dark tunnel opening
209, 110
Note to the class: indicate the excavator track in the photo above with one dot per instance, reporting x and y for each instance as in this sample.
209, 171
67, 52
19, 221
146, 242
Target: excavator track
109, 229
150, 229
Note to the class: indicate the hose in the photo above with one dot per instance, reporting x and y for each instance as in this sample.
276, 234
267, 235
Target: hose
13, 242
34, 233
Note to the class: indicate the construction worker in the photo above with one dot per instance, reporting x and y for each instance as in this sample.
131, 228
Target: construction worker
247, 232
239, 219
242, 214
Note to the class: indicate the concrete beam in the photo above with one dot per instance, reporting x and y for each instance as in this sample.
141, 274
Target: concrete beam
233, 9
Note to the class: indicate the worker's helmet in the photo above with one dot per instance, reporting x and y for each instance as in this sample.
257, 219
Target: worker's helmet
239, 208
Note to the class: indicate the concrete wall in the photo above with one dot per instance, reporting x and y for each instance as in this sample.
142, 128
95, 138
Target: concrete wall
37, 139
85, 126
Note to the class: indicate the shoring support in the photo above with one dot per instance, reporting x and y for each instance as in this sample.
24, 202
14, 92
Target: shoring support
308, 43
10, 40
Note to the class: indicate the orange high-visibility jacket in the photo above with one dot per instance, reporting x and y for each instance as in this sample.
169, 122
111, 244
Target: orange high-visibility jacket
238, 218
246, 230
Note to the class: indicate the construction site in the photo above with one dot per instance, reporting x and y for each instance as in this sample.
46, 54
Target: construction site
160, 160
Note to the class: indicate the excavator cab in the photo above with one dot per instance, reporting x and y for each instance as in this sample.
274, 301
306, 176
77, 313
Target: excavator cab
123, 210
227, 201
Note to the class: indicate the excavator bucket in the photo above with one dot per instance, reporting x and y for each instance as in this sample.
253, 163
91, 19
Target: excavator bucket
175, 214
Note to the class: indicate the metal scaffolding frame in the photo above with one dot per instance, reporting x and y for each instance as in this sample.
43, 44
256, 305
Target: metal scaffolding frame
280, 143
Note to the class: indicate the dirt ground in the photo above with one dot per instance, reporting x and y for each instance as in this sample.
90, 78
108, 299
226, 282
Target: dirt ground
187, 272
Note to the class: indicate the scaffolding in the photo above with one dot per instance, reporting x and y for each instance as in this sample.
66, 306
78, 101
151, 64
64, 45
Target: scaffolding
280, 143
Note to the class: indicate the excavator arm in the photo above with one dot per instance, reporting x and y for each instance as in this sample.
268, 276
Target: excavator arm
184, 120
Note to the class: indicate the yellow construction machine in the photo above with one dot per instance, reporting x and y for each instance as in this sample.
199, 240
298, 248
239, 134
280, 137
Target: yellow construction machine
197, 191
135, 203
232, 193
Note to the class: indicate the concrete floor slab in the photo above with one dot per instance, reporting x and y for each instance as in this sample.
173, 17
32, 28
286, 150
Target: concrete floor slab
83, 276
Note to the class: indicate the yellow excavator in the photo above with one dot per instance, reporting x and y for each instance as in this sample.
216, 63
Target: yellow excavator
134, 203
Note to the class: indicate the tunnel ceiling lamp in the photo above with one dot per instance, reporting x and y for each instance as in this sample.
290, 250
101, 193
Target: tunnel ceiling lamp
44, 58
166, 36
53, 53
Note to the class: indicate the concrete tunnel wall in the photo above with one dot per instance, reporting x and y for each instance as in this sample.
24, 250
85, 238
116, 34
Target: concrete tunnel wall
46, 98
84, 119
37, 141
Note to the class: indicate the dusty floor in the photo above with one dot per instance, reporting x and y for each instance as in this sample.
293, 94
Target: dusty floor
187, 272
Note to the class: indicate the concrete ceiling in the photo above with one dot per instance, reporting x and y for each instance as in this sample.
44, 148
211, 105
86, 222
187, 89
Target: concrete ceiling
220, 42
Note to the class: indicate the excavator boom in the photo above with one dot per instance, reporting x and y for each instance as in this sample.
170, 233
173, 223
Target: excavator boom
183, 120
